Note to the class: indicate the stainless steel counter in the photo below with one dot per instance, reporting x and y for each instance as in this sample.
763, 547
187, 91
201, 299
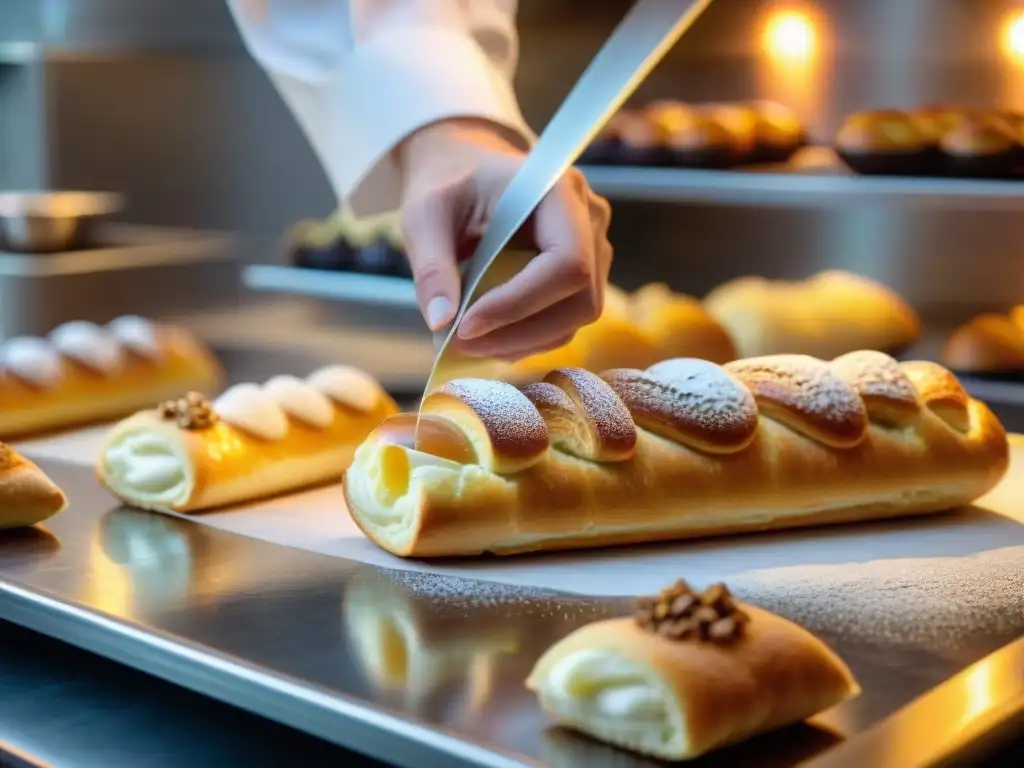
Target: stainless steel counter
414, 669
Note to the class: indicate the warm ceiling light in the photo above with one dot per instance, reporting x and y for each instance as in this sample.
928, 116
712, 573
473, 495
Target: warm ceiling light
789, 35
1013, 36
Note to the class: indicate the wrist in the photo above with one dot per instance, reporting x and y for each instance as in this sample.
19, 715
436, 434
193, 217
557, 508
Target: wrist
447, 141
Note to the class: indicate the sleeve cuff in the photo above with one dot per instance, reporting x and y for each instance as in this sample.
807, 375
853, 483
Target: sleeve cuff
389, 87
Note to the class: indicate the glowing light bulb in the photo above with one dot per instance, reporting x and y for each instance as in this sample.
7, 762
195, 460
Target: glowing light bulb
1013, 37
789, 35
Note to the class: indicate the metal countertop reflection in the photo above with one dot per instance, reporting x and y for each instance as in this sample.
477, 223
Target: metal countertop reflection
411, 668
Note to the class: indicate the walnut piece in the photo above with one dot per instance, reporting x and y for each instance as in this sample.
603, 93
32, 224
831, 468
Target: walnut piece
193, 411
680, 613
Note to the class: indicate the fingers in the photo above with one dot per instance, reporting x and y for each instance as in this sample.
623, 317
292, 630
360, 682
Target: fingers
545, 330
430, 230
566, 265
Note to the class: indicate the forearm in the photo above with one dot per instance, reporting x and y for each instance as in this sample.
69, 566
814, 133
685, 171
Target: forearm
362, 76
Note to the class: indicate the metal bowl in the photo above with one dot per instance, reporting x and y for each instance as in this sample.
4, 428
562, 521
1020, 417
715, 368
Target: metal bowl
50, 222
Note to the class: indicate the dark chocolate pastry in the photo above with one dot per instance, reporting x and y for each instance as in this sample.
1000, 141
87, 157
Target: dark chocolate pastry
886, 143
642, 141
985, 149
778, 133
314, 245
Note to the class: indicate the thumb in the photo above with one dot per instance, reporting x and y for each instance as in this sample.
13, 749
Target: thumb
430, 232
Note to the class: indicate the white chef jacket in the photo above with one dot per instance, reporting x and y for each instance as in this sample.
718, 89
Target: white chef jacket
361, 75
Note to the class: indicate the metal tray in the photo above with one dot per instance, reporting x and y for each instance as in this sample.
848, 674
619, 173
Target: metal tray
418, 669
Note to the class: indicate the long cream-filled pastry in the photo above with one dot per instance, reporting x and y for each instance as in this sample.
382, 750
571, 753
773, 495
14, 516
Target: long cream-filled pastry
27, 495
83, 372
684, 449
827, 315
252, 441
689, 673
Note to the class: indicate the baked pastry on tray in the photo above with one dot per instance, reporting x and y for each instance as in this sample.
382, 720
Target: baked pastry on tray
989, 345
83, 372
682, 449
827, 315
690, 672
27, 495
253, 441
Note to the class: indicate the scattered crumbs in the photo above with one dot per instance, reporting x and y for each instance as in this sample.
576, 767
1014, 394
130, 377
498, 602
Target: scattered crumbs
947, 601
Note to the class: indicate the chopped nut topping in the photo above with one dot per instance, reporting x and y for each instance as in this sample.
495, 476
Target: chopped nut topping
680, 613
193, 411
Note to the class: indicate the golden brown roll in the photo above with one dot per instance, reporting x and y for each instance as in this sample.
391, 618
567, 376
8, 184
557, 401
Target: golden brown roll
885, 142
824, 316
756, 444
778, 132
989, 344
742, 123
689, 673
638, 329
255, 440
27, 495
86, 373
642, 141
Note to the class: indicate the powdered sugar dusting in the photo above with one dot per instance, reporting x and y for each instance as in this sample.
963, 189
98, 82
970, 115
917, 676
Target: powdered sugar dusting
692, 396
947, 601
610, 419
548, 396
804, 393
511, 420
876, 376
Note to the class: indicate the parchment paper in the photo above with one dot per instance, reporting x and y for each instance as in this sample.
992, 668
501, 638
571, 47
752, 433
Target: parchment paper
317, 520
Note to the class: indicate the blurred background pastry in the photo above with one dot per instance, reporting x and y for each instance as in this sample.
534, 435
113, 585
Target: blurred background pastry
636, 330
826, 315
885, 142
344, 242
980, 149
989, 345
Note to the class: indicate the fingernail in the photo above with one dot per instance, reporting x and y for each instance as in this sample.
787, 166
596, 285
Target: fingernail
439, 311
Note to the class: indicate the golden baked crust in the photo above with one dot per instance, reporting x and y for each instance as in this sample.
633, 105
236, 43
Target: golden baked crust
827, 315
776, 675
988, 343
27, 495
823, 443
219, 464
83, 395
637, 330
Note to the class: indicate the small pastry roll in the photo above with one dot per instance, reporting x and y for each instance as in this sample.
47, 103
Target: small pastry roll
83, 372
741, 121
253, 441
690, 673
642, 141
27, 495
826, 315
886, 142
778, 132
988, 344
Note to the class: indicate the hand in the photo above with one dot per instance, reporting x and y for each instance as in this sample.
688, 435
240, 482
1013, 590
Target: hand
453, 174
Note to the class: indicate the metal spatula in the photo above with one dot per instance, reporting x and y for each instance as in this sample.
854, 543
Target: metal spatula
636, 46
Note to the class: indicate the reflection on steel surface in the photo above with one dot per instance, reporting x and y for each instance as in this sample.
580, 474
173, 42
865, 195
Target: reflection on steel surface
413, 668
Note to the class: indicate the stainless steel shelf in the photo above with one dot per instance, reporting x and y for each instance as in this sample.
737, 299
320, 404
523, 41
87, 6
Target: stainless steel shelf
342, 286
778, 189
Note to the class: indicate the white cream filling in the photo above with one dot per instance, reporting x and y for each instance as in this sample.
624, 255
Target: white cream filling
90, 345
249, 408
348, 386
33, 360
146, 467
301, 401
614, 698
137, 334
